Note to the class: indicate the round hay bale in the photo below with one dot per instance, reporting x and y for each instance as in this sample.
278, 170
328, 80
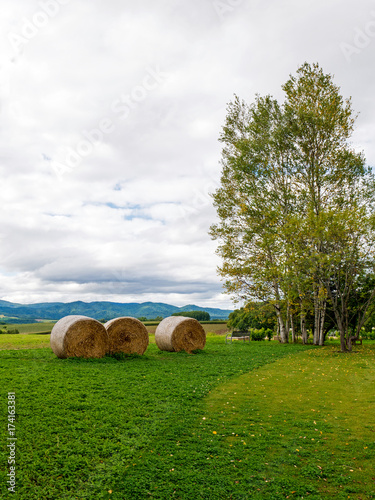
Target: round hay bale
178, 333
79, 337
127, 335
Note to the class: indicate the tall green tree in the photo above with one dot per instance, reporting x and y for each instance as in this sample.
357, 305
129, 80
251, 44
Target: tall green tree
326, 170
295, 205
253, 203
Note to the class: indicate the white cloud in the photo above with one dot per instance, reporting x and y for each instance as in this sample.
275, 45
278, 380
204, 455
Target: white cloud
128, 221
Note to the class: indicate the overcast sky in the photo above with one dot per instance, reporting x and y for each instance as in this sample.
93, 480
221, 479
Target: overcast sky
110, 117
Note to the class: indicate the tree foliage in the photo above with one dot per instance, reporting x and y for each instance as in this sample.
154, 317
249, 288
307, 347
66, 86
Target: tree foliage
198, 315
253, 315
295, 207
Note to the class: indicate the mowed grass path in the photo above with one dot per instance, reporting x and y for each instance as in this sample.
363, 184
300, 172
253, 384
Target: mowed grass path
309, 422
231, 422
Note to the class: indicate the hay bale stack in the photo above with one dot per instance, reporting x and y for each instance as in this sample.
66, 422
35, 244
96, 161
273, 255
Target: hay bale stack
178, 333
79, 337
127, 335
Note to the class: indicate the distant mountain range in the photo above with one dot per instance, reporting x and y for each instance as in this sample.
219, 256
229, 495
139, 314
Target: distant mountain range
98, 310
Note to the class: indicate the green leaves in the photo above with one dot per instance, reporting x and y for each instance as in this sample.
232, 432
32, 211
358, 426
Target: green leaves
296, 202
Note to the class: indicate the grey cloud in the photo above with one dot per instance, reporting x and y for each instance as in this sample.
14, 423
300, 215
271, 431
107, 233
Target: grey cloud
138, 202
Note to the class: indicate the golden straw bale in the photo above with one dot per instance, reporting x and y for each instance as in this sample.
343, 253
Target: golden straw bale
127, 335
178, 333
79, 337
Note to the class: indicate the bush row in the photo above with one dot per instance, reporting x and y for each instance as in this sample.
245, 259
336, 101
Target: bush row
368, 335
10, 331
260, 334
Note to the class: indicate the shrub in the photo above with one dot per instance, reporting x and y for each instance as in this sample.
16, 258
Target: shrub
269, 333
258, 334
254, 315
12, 331
368, 335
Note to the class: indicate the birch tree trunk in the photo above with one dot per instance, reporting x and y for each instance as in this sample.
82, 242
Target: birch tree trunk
287, 320
293, 329
303, 328
339, 320
316, 317
283, 333
303, 321
322, 318
320, 306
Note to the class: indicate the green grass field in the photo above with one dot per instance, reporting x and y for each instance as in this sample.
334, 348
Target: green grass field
24, 341
257, 420
31, 337
46, 327
213, 328
41, 327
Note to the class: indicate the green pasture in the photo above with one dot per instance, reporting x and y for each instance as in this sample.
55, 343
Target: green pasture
41, 327
32, 338
239, 421
24, 341
46, 327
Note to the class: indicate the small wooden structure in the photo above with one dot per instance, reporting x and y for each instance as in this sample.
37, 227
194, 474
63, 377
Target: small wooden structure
237, 335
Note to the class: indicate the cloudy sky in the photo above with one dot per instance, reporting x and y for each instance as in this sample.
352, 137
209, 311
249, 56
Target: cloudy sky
110, 114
